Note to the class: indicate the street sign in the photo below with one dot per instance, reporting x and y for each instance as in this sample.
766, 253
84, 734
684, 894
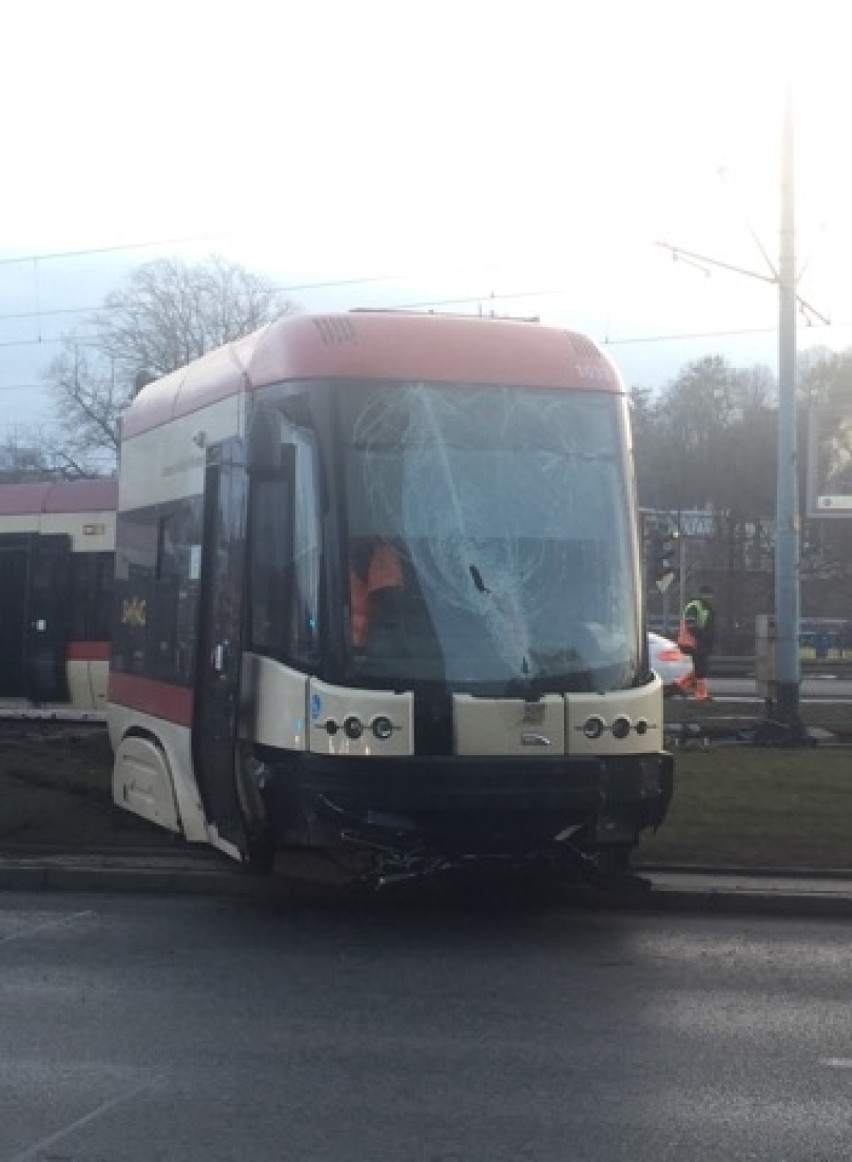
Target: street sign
830, 463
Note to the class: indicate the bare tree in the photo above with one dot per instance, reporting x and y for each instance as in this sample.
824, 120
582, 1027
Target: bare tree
825, 378
22, 458
167, 314
88, 406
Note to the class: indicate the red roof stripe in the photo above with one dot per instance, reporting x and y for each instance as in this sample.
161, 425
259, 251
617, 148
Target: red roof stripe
58, 496
376, 345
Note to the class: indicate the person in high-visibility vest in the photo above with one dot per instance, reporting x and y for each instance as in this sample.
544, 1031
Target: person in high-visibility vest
374, 568
696, 638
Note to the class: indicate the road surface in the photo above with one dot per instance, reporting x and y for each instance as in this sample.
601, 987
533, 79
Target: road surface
142, 1029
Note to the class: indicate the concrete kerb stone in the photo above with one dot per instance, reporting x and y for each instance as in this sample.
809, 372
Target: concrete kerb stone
142, 881
682, 891
149, 874
730, 900
730, 871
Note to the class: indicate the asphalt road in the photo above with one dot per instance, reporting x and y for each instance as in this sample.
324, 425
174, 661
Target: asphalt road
146, 1029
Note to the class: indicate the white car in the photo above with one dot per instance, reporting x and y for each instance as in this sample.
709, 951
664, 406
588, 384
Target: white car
668, 661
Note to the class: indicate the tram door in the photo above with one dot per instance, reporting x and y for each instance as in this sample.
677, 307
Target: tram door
217, 693
14, 554
35, 603
46, 640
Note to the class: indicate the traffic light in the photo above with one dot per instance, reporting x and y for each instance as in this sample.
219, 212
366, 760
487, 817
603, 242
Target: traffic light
663, 557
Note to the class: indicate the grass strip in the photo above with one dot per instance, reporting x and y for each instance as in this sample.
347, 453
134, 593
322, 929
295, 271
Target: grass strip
758, 807
733, 806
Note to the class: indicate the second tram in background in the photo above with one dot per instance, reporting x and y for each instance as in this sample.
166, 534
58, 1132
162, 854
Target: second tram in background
379, 594
56, 572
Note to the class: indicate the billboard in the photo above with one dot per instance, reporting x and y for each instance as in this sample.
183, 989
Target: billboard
830, 462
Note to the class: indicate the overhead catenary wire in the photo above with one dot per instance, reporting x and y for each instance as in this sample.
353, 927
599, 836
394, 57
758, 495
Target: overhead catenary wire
115, 248
671, 338
293, 288
480, 299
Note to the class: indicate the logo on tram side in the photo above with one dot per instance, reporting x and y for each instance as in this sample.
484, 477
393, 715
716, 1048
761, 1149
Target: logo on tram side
134, 611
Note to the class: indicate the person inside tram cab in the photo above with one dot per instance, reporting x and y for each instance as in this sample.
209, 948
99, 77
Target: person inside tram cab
375, 578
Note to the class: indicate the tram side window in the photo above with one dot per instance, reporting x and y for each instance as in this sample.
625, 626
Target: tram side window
175, 598
162, 616
135, 558
285, 560
157, 571
91, 596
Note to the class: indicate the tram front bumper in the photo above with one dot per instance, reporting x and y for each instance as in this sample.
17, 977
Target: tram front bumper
470, 805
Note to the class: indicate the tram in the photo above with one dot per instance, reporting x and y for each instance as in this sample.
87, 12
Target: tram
378, 594
56, 573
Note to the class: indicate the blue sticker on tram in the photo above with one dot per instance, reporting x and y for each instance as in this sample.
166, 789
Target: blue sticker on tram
316, 706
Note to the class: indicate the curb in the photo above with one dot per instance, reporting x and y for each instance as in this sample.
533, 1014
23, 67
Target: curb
90, 880
671, 891
756, 873
740, 901
149, 871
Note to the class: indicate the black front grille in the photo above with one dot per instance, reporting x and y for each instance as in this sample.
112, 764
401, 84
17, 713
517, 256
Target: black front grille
433, 724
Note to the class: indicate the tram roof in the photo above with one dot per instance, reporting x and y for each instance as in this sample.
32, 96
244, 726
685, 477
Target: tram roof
377, 345
58, 496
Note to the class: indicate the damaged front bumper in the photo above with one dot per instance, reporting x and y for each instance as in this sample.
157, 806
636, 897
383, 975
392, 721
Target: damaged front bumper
421, 815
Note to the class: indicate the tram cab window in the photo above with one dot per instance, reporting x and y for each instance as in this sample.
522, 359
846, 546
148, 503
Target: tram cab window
506, 509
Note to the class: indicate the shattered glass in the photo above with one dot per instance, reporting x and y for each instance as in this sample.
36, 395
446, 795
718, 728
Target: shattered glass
509, 509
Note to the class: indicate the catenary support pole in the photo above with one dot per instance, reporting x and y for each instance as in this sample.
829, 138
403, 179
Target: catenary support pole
787, 548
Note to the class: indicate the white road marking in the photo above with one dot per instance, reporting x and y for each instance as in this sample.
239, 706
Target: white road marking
23, 932
836, 1062
32, 1151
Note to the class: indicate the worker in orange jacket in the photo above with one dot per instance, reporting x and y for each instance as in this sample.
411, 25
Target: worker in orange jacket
374, 568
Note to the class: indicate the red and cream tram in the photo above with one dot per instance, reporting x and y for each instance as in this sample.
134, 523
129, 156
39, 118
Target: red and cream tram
378, 593
56, 571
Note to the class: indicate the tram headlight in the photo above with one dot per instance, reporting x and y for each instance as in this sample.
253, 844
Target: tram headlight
353, 727
641, 726
594, 727
621, 727
382, 727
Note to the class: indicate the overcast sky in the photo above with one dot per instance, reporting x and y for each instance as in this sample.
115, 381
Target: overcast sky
461, 149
